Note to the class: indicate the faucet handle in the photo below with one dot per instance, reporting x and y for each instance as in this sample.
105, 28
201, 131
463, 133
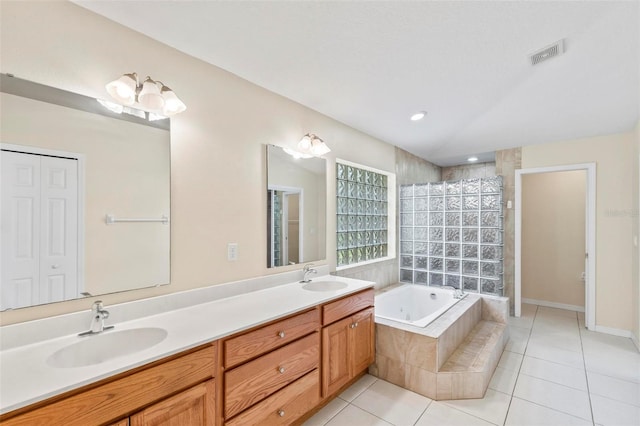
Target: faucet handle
307, 267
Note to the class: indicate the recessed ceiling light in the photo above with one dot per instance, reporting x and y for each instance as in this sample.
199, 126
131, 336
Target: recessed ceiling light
418, 116
472, 159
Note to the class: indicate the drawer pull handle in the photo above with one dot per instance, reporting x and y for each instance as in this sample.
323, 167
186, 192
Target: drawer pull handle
281, 413
281, 334
281, 370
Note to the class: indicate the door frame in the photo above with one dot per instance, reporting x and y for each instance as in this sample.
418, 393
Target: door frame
81, 158
590, 236
291, 190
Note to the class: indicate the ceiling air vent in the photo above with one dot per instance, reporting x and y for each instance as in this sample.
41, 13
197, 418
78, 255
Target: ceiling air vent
556, 49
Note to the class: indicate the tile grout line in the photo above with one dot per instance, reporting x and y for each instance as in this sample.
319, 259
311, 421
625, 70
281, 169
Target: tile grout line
349, 402
586, 376
504, 422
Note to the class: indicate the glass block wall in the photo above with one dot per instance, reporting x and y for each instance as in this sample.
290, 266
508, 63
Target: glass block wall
362, 208
451, 234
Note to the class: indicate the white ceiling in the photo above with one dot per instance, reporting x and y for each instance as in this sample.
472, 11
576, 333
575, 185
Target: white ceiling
372, 64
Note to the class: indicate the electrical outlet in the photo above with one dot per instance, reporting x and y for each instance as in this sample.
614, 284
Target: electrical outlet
583, 276
232, 252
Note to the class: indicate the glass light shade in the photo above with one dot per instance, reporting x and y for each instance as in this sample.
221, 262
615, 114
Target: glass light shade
150, 97
318, 147
172, 104
305, 143
123, 89
312, 145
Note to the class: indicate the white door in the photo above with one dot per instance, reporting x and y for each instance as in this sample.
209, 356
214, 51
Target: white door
39, 217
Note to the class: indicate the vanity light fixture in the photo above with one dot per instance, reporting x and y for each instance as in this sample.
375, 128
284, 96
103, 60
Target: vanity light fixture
472, 159
312, 145
296, 154
150, 94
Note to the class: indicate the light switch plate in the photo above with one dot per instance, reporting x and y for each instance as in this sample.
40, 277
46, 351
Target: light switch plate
232, 252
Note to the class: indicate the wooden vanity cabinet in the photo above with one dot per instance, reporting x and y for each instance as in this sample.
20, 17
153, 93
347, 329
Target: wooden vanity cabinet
348, 340
271, 373
177, 391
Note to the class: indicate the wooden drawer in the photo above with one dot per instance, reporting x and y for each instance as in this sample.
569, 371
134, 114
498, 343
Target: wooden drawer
284, 406
255, 343
104, 403
334, 311
256, 380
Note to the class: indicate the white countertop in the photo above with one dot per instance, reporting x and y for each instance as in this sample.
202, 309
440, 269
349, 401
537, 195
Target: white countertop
26, 378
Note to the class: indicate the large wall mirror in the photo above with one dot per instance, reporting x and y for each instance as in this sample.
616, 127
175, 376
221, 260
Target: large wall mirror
85, 196
296, 208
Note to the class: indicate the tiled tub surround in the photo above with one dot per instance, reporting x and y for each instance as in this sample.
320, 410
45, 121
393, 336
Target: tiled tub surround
190, 318
451, 234
454, 357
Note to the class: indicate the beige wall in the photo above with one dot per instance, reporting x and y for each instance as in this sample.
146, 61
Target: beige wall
553, 237
613, 155
217, 145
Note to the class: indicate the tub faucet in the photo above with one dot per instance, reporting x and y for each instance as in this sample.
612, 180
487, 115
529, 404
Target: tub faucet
99, 314
306, 271
458, 293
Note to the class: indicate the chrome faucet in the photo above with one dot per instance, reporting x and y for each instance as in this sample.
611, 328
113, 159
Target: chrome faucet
306, 271
99, 314
458, 293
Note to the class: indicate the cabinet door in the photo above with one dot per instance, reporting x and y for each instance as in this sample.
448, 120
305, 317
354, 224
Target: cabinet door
123, 422
362, 345
193, 407
336, 369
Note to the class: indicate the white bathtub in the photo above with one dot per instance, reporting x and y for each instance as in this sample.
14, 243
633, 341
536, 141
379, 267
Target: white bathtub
414, 304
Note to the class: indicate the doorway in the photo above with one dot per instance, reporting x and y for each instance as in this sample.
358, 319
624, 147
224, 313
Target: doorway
572, 274
42, 230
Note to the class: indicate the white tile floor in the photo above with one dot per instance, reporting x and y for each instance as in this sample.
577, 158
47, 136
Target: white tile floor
553, 372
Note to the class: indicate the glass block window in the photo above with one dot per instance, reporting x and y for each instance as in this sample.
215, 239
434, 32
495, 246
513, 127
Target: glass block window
362, 214
451, 234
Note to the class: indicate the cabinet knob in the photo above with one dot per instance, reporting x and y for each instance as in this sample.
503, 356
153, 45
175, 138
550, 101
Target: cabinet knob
356, 324
352, 325
281, 334
281, 370
281, 413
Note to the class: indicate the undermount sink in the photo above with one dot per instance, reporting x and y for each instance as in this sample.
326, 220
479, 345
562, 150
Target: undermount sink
93, 350
324, 285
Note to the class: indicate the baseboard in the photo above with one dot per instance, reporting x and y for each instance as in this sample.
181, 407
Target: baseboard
635, 341
614, 331
553, 305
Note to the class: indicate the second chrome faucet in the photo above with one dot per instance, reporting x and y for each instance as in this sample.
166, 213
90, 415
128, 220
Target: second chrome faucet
306, 271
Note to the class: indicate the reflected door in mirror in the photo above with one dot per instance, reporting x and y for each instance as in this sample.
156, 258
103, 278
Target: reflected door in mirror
40, 228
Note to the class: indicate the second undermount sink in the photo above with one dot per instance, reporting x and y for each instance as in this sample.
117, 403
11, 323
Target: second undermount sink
324, 285
93, 350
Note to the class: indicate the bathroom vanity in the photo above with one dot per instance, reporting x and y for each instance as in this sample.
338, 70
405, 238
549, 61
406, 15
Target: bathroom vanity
296, 355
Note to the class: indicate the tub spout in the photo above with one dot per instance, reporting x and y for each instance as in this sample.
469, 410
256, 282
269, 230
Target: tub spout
458, 293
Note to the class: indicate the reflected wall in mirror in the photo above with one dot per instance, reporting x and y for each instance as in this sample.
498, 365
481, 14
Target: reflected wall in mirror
296, 208
67, 164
